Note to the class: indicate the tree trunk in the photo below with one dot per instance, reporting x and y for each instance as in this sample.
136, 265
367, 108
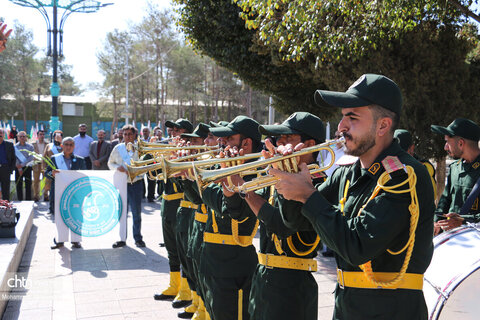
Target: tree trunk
157, 95
229, 111
115, 118
440, 174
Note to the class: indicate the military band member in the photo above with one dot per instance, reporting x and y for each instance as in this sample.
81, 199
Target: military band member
461, 143
178, 287
283, 286
191, 218
381, 235
228, 256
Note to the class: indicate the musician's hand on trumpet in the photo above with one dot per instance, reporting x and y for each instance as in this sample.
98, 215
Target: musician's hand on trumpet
294, 186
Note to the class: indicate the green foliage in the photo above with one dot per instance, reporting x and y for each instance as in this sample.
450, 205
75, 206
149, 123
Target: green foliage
291, 48
215, 29
336, 30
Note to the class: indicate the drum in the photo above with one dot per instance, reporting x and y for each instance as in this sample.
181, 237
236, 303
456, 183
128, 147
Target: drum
452, 281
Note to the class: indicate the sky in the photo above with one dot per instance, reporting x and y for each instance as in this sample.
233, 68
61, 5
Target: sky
84, 33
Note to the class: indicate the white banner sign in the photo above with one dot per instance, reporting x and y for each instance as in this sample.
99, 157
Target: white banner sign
90, 203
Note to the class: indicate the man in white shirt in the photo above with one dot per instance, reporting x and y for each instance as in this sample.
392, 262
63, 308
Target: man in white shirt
23, 171
39, 148
82, 144
119, 158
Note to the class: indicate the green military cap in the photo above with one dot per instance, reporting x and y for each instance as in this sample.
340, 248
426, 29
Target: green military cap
180, 124
201, 131
298, 123
459, 127
218, 124
404, 138
240, 125
367, 90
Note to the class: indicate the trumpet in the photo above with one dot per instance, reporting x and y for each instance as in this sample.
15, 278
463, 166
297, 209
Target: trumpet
202, 156
169, 168
204, 177
142, 150
263, 181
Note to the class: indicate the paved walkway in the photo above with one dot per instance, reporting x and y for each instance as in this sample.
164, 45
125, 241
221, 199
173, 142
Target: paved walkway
98, 282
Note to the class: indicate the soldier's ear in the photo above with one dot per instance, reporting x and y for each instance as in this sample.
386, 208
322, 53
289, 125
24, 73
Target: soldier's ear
384, 125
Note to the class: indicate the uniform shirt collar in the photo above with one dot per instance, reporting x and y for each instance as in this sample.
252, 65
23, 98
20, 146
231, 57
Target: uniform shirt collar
376, 168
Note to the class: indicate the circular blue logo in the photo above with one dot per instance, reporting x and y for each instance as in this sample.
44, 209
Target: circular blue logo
90, 206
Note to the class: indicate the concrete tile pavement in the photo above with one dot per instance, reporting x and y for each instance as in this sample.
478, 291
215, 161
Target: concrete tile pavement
99, 282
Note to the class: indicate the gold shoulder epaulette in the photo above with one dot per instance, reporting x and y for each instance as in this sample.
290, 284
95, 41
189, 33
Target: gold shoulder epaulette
392, 164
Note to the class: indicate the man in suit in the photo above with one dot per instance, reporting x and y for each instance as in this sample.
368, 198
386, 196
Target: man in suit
65, 160
100, 151
39, 147
7, 164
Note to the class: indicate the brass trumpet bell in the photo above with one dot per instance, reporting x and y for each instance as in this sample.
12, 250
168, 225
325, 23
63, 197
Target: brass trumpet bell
204, 177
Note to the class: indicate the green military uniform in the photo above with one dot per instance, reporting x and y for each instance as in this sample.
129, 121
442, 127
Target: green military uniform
281, 292
370, 229
282, 285
228, 256
226, 267
195, 239
171, 198
460, 180
462, 175
185, 216
383, 224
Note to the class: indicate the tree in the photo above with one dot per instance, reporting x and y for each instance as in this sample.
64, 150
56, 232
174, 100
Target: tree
112, 63
422, 45
24, 80
215, 29
156, 31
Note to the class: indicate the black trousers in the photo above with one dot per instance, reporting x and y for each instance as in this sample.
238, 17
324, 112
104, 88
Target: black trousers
5, 181
88, 163
24, 178
151, 185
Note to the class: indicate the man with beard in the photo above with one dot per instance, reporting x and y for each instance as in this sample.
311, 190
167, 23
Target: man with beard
100, 151
82, 144
377, 214
461, 143
66, 160
119, 158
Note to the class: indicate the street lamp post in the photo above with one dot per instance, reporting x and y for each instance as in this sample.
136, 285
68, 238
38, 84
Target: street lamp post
126, 86
69, 7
